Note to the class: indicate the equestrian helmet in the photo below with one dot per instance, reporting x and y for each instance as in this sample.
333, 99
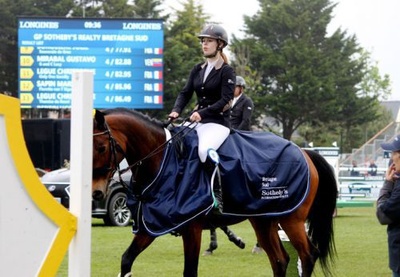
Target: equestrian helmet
215, 32
240, 81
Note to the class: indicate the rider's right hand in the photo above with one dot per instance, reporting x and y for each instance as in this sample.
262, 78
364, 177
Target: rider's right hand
173, 115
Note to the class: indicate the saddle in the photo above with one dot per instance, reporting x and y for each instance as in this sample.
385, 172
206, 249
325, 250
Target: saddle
262, 175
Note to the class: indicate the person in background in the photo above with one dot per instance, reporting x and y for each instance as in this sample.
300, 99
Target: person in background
388, 205
242, 107
373, 168
213, 81
354, 171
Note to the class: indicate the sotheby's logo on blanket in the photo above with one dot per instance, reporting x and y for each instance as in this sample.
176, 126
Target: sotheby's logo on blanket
268, 190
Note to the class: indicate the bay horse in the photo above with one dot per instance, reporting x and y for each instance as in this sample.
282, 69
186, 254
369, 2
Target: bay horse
121, 133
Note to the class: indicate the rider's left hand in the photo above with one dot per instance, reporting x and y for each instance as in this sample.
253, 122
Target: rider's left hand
195, 117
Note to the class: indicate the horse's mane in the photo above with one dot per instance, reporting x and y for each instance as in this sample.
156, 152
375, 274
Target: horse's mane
142, 117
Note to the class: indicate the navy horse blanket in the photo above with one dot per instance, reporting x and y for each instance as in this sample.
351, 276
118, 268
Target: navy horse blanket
262, 175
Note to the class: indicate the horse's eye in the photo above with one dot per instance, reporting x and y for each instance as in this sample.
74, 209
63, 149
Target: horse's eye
101, 149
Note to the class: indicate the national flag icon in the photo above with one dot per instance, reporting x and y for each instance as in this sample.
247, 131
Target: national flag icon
157, 99
157, 62
158, 75
157, 87
158, 51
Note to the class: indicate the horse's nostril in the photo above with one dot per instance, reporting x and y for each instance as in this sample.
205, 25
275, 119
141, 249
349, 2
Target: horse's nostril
98, 195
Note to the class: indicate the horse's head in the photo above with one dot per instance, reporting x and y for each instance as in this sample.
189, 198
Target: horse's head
121, 133
106, 156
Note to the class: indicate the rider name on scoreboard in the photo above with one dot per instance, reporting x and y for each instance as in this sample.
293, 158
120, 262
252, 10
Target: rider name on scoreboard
125, 55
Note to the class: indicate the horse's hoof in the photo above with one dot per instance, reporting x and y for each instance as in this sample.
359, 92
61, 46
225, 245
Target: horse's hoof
207, 253
129, 274
239, 243
256, 250
213, 246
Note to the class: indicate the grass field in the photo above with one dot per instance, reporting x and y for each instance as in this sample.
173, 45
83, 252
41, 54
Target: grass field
361, 245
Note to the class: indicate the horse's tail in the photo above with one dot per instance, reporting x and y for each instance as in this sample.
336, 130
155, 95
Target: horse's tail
320, 218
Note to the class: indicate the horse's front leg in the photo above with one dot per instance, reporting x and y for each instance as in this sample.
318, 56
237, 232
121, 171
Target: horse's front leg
139, 243
191, 236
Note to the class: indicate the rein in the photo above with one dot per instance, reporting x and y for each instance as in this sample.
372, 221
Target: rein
114, 147
158, 149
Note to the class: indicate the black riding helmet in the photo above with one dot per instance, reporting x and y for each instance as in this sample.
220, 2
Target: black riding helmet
215, 32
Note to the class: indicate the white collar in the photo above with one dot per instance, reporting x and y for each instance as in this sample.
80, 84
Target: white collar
237, 97
212, 63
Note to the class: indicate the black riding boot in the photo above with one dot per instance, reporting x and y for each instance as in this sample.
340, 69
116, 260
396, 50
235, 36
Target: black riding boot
212, 170
217, 191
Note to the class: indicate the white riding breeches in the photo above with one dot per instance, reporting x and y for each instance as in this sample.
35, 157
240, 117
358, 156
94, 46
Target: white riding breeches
211, 136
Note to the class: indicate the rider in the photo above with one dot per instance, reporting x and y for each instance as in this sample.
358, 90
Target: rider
214, 83
242, 107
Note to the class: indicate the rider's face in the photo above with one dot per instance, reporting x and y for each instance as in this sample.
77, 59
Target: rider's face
237, 91
208, 45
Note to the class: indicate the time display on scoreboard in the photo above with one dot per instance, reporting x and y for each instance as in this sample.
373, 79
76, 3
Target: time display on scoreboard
125, 55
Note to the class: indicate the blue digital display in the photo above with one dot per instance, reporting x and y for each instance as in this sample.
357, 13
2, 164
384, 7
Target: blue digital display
125, 55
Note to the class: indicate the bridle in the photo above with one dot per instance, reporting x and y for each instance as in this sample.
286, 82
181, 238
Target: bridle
113, 165
116, 148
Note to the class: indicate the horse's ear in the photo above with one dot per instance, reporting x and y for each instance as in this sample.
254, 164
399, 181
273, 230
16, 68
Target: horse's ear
99, 118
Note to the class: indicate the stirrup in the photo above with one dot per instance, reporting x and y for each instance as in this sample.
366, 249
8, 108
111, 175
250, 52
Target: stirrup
214, 157
212, 153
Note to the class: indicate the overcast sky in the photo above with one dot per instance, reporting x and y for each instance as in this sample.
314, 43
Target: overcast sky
376, 25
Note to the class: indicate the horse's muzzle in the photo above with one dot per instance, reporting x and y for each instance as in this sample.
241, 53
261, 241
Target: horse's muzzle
98, 195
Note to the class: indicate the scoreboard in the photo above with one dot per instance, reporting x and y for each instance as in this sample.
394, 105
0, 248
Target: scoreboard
125, 56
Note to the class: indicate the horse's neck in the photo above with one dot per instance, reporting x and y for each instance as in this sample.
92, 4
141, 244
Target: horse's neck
146, 148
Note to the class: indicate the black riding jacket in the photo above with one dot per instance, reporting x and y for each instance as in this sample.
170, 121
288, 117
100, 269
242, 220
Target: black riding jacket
240, 114
388, 212
213, 96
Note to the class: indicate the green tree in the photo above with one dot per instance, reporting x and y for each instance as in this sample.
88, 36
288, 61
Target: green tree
286, 39
51, 7
118, 8
361, 115
241, 61
8, 55
373, 84
307, 76
147, 8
